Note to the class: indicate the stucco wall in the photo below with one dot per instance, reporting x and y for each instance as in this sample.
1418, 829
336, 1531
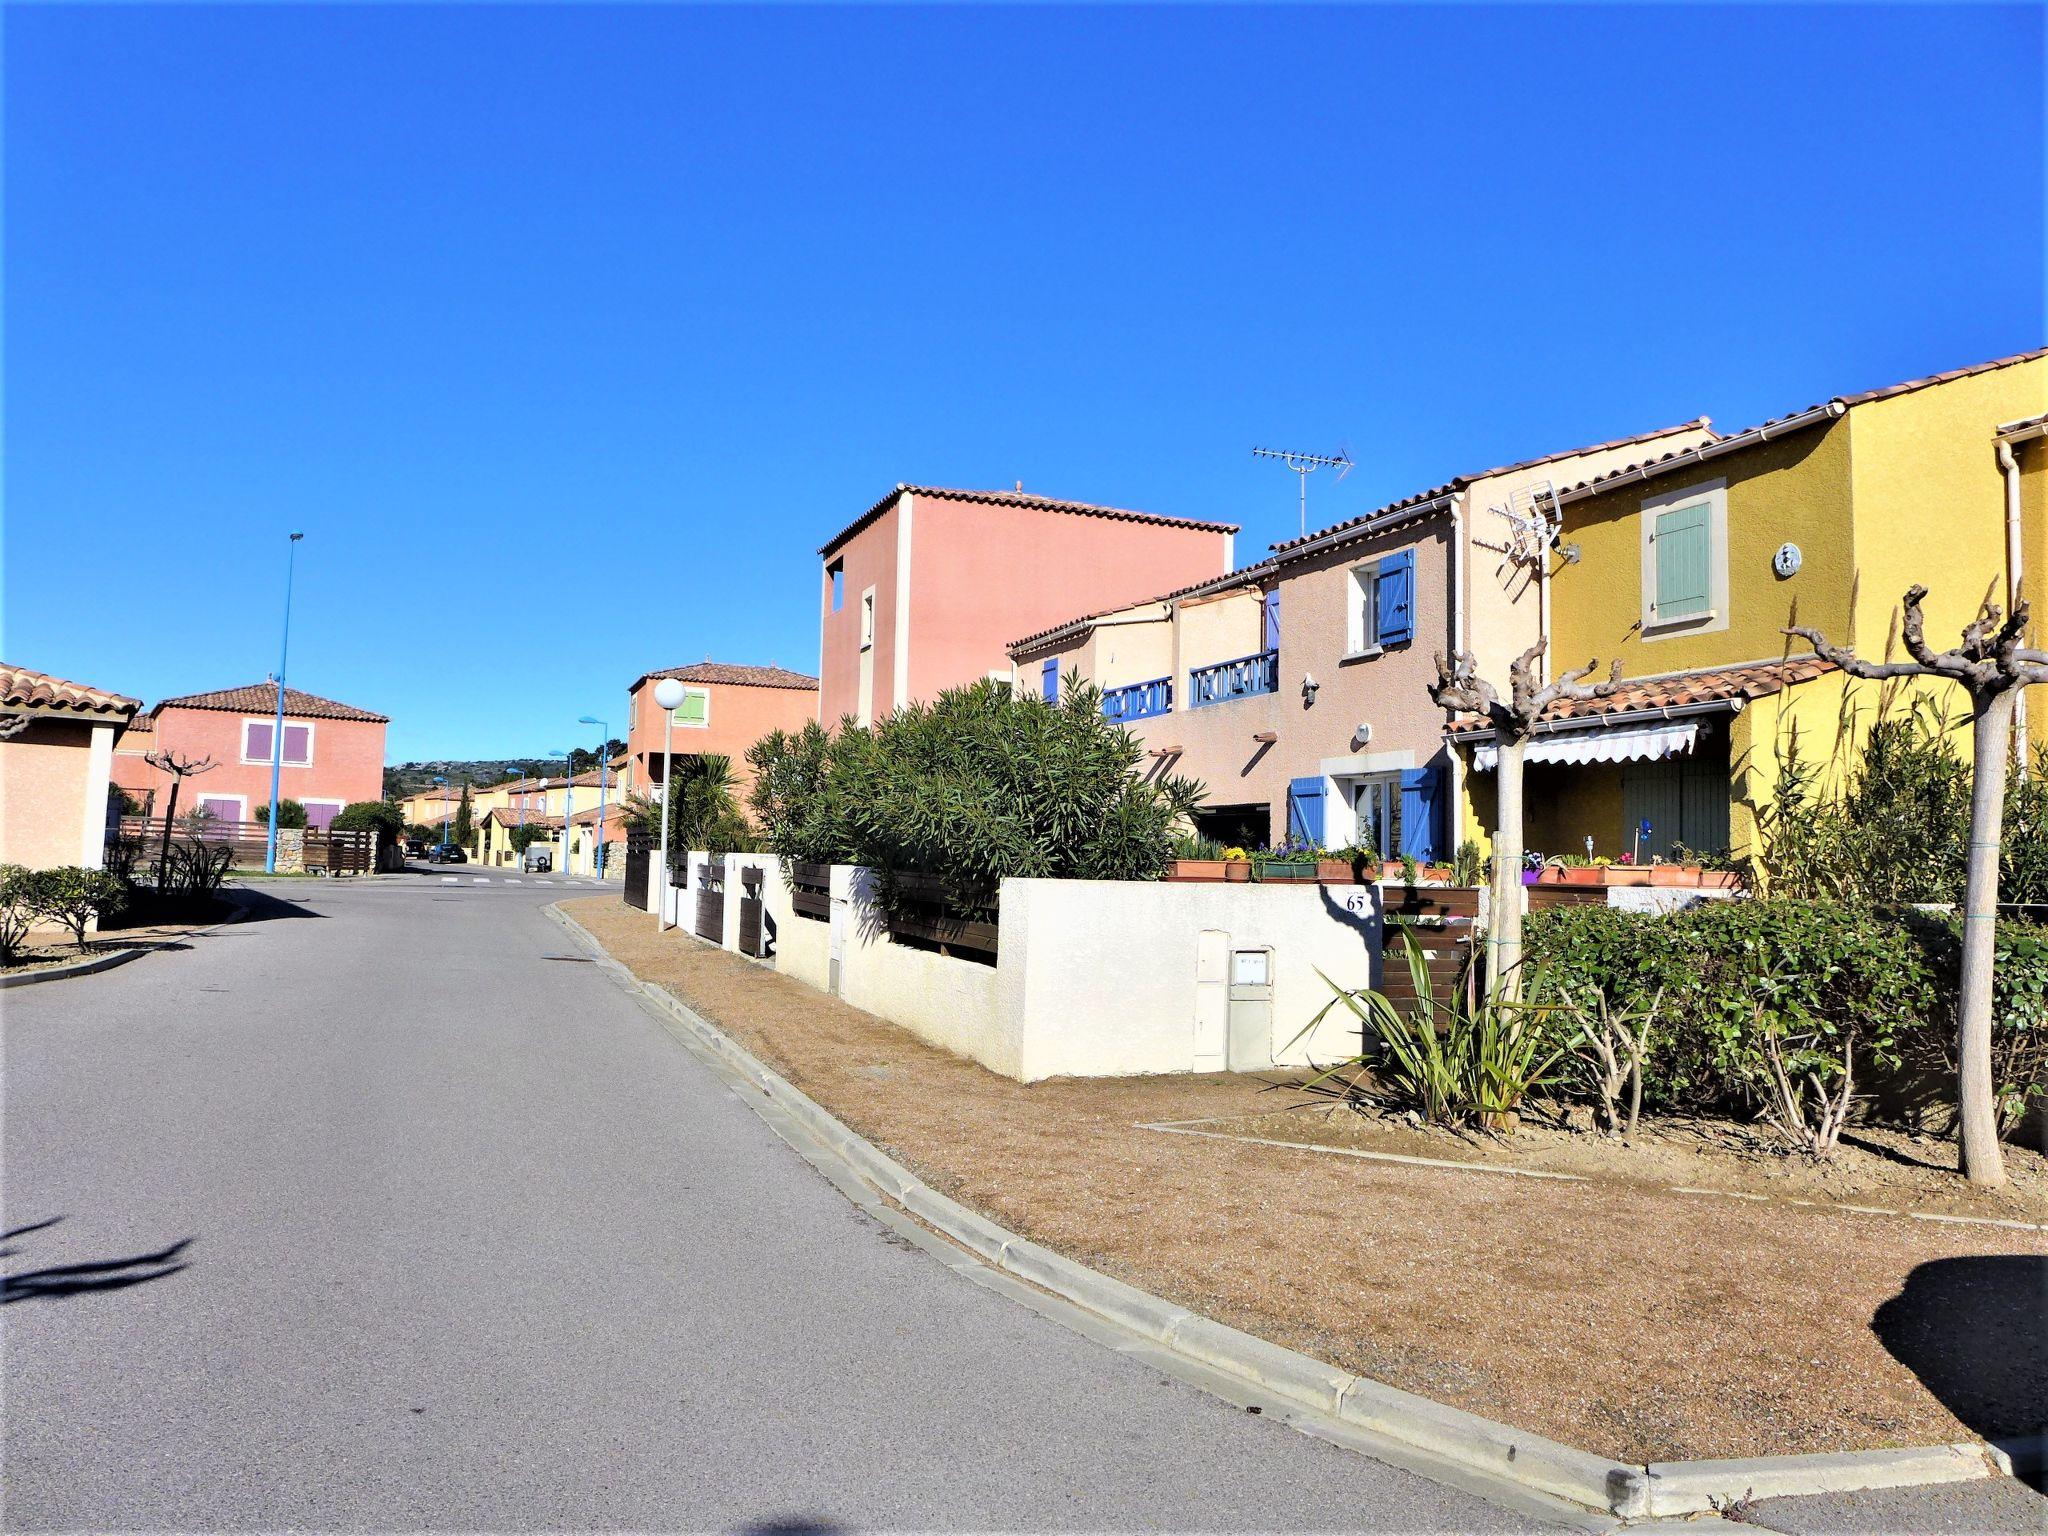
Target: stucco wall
2033, 464
950, 1003
53, 805
347, 766
740, 716
869, 561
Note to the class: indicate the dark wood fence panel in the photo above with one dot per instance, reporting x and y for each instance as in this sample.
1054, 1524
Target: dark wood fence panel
751, 914
711, 902
810, 890
326, 851
639, 854
920, 915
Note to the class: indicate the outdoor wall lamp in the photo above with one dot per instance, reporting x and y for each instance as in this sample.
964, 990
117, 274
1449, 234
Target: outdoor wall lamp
1309, 685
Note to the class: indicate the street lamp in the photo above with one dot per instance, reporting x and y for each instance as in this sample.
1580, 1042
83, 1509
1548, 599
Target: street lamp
447, 815
568, 803
604, 762
668, 698
284, 651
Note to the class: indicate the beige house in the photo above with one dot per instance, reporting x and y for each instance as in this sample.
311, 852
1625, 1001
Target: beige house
56, 768
1296, 689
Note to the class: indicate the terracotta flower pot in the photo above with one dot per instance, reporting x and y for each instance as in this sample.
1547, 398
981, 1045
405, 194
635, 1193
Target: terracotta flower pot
1237, 871
1335, 872
1198, 869
1720, 880
1580, 874
1686, 875
1627, 874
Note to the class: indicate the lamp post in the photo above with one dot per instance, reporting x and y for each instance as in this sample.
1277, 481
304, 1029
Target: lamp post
604, 763
668, 697
543, 811
284, 652
568, 805
446, 814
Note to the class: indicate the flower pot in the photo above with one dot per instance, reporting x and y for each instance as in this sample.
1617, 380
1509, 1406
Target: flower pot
1278, 870
1198, 869
1335, 872
1686, 875
1579, 874
1537, 877
1627, 874
1720, 880
1237, 871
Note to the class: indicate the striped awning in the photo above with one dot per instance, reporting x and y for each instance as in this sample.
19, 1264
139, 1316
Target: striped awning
1616, 744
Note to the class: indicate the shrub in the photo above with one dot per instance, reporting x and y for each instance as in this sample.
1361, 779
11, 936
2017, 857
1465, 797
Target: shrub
380, 816
789, 797
17, 909
978, 785
289, 814
74, 896
2019, 1011
703, 811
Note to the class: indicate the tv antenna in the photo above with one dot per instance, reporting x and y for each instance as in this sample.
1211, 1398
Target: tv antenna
1304, 465
1534, 520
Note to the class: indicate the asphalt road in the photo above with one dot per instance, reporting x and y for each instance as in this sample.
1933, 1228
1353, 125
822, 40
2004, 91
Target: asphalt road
384, 1213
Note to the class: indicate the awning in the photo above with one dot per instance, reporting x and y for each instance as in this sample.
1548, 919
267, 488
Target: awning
1618, 744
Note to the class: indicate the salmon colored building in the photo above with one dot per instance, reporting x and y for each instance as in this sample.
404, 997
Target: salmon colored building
333, 753
726, 709
925, 589
56, 761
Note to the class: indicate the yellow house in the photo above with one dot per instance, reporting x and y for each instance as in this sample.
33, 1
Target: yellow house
498, 811
1689, 566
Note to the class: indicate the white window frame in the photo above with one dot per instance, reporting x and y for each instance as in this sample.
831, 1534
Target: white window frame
867, 619
241, 801
1363, 584
694, 725
1715, 494
1389, 785
289, 762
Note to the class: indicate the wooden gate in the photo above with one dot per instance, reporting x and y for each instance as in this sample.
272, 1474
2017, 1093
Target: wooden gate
711, 901
639, 848
1442, 919
752, 911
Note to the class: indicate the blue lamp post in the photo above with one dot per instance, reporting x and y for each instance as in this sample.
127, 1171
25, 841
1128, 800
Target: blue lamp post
568, 803
604, 757
447, 816
284, 652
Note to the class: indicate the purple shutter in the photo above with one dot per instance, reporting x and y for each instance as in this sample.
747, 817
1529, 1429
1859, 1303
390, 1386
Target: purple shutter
298, 743
219, 809
256, 741
318, 815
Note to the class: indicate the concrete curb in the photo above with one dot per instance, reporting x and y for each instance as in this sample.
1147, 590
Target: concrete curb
1437, 1430
104, 962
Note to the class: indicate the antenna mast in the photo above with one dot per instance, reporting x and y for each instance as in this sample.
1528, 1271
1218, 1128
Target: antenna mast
1304, 465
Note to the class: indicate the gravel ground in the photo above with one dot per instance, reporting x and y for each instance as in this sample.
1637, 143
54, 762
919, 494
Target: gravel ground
1641, 1325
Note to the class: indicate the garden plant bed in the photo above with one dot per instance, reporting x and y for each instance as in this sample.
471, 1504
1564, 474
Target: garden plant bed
1616, 1317
49, 948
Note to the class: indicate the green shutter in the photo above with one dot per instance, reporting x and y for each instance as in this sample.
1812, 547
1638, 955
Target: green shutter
695, 708
1682, 537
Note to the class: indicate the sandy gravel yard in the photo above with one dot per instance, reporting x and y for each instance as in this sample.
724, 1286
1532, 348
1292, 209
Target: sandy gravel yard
1605, 1310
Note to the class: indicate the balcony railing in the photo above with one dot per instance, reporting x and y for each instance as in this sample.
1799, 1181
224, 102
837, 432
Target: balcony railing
1138, 701
1234, 679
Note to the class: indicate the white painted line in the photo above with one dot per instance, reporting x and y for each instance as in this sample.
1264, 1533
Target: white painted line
479, 879
1376, 1157
450, 880
514, 880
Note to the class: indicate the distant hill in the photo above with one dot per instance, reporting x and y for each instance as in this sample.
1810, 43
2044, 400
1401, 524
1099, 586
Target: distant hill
410, 778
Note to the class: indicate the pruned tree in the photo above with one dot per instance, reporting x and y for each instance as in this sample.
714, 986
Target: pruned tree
1993, 663
14, 725
180, 767
1459, 689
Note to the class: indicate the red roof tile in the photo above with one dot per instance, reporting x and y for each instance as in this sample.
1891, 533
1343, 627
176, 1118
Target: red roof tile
1018, 499
22, 688
732, 674
1643, 695
261, 699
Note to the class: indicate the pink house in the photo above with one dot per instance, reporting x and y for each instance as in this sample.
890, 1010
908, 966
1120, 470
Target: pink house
925, 589
333, 753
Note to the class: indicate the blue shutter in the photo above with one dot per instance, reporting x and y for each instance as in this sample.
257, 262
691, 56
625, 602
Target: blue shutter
1271, 631
1397, 598
1422, 814
1305, 810
1684, 586
1049, 685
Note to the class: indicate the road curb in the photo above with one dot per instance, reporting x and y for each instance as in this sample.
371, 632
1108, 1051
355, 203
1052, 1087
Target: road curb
97, 963
1437, 1430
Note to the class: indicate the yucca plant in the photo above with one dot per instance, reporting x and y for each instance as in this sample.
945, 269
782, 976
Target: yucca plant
1456, 1056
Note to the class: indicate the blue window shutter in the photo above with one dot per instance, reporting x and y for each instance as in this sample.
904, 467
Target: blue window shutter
1397, 598
1422, 814
1682, 538
1305, 810
1049, 686
1271, 631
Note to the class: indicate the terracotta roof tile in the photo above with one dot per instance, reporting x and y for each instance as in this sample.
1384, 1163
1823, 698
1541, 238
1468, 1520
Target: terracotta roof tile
733, 674
23, 688
261, 699
1018, 499
1709, 685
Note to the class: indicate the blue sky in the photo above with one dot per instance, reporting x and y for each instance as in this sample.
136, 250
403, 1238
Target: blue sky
568, 335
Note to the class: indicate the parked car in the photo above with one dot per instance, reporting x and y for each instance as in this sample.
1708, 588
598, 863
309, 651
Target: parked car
447, 853
415, 847
537, 861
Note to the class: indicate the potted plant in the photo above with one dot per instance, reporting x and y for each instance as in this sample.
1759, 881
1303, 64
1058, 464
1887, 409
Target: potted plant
1674, 875
1292, 860
1197, 858
1574, 869
1346, 866
1237, 866
1625, 871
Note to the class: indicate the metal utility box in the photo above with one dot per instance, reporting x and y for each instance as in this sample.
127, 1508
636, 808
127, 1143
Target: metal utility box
1251, 1009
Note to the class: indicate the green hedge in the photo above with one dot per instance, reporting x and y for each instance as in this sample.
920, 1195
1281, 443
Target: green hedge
1813, 967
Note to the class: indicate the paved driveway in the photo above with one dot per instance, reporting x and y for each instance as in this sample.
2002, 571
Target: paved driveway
386, 1212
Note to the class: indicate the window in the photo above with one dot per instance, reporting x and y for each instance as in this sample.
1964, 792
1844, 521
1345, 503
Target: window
867, 619
836, 574
1049, 680
1372, 813
320, 812
1382, 604
298, 743
1685, 559
694, 713
224, 808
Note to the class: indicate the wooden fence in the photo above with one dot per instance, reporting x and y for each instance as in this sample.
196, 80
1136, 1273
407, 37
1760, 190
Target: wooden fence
327, 851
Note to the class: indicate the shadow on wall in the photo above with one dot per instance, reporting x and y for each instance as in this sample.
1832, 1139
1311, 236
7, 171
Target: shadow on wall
1970, 1329
58, 1281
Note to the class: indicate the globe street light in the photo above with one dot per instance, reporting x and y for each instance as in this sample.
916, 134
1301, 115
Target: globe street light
284, 652
668, 697
568, 804
604, 757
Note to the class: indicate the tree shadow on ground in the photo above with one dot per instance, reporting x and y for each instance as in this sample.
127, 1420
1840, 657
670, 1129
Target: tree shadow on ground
262, 907
1970, 1329
55, 1282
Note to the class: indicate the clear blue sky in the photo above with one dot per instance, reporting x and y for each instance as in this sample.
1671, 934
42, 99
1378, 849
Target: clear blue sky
568, 335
